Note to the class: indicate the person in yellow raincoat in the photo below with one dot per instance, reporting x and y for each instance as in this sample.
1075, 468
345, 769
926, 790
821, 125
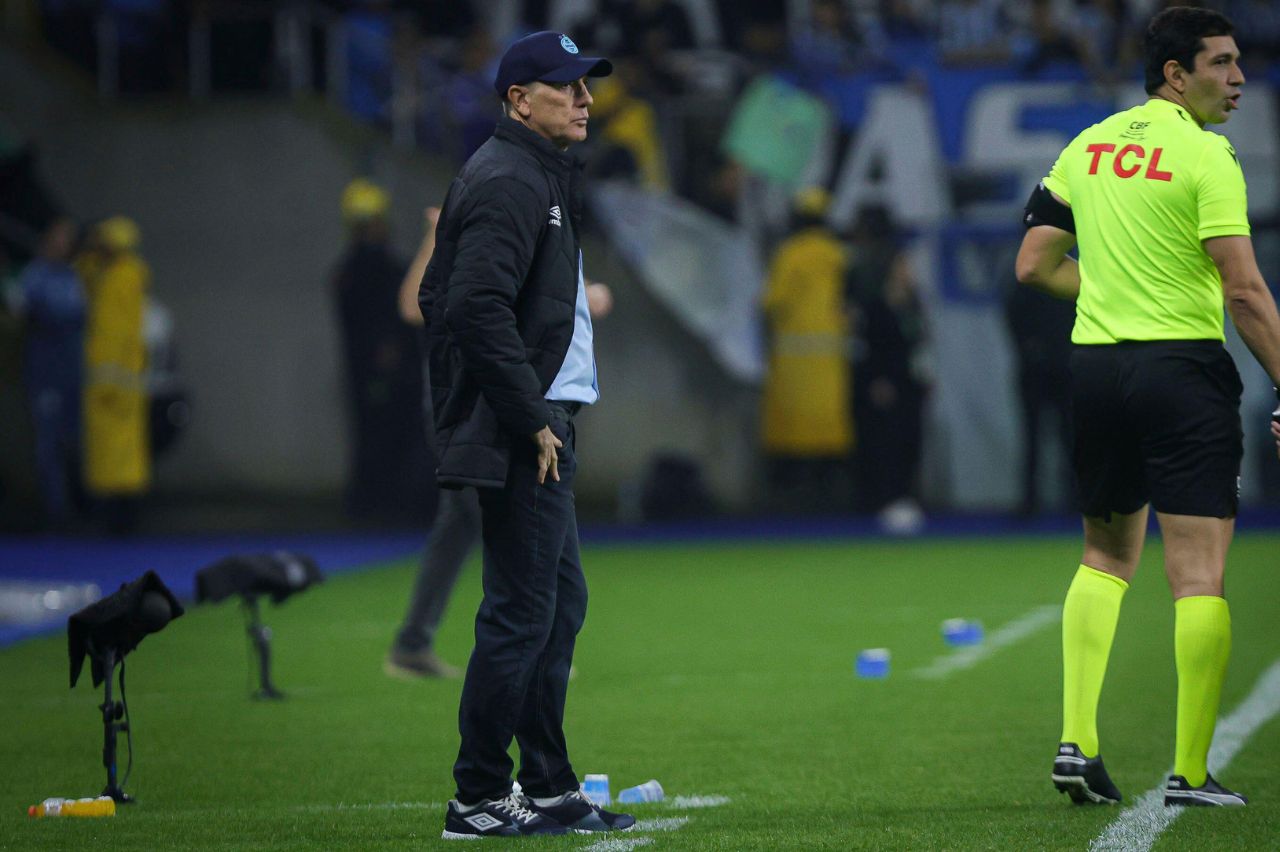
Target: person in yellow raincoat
117, 457
807, 429
629, 124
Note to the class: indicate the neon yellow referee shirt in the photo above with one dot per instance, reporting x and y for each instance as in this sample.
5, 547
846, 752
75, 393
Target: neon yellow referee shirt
1145, 187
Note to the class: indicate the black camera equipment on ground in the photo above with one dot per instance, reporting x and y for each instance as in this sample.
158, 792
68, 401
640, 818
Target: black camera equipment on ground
279, 575
105, 632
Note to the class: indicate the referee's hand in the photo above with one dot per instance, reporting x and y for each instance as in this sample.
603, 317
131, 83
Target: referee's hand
1275, 428
548, 460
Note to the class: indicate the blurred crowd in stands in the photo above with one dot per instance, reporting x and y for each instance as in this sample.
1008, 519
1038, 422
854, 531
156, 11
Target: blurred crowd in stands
680, 63
849, 365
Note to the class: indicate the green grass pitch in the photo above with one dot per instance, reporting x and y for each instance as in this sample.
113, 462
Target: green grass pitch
719, 669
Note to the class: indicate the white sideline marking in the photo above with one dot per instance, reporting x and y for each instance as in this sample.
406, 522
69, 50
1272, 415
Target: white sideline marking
662, 824
374, 806
619, 845
1138, 826
970, 655
689, 802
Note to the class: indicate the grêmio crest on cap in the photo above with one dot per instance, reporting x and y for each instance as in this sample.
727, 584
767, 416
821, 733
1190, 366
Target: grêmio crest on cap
568, 45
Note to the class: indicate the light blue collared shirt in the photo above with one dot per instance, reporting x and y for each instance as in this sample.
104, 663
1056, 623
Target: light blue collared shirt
576, 381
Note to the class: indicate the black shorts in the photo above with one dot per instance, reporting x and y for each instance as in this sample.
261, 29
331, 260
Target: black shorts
1158, 422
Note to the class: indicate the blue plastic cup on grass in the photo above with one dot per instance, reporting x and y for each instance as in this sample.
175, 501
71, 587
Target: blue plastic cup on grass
649, 791
872, 663
596, 788
961, 631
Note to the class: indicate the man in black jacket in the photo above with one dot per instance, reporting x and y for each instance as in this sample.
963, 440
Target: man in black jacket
510, 363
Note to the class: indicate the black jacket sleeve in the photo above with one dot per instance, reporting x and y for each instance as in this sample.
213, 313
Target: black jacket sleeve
498, 236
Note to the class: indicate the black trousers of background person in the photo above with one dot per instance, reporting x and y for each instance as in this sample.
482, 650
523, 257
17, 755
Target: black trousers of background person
535, 601
454, 532
1045, 398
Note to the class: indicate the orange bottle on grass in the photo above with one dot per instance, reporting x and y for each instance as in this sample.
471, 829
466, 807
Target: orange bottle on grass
103, 806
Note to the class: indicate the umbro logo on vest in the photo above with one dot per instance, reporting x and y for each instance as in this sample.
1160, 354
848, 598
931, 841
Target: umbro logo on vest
555, 216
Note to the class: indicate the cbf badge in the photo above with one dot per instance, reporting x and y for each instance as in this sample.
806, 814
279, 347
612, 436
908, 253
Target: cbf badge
568, 45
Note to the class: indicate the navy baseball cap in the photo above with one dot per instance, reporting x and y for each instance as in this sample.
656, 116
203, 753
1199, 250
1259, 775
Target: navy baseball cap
548, 56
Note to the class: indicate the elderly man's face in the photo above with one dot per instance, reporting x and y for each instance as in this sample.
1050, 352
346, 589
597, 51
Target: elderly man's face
556, 111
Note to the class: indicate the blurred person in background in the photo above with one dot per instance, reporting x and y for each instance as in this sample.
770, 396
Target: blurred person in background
893, 372
512, 361
1105, 35
19, 491
454, 532
26, 204
1041, 329
645, 32
973, 32
444, 19
369, 35
1052, 38
51, 303
467, 91
654, 25
884, 390
904, 20
117, 454
456, 529
383, 367
627, 144
807, 425
146, 38
829, 42
170, 407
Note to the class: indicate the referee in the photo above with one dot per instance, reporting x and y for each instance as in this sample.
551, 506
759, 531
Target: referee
1157, 207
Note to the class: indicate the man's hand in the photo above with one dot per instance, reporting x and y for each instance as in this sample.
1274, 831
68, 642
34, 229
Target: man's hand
599, 299
1275, 428
547, 443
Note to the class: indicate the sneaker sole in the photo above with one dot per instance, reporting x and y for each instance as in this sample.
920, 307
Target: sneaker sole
1200, 799
457, 835
1078, 789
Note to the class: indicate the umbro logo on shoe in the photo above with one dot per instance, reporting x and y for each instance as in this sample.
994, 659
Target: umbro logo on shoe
505, 817
555, 216
483, 821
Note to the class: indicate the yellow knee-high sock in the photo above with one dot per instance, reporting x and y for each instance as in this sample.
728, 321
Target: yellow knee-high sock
1089, 619
1201, 646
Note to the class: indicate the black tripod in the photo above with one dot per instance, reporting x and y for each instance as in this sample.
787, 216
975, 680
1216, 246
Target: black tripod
114, 720
260, 636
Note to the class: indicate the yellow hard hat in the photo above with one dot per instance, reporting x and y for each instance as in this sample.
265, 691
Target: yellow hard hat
812, 201
119, 233
363, 199
607, 95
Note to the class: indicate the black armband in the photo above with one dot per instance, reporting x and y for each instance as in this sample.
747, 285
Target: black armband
1043, 209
